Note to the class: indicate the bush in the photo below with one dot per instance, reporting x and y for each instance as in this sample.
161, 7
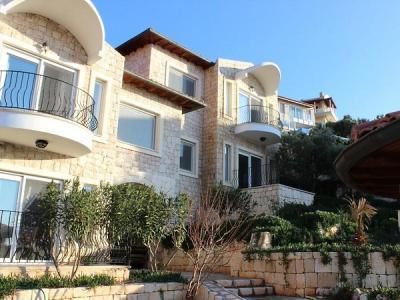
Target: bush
388, 293
8, 284
343, 293
155, 276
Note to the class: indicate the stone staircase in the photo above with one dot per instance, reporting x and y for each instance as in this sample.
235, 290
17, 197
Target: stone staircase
246, 288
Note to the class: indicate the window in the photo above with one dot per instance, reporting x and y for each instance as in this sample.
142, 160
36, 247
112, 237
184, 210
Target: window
136, 127
51, 92
98, 95
181, 82
187, 159
227, 163
308, 115
19, 200
296, 112
250, 109
228, 99
282, 108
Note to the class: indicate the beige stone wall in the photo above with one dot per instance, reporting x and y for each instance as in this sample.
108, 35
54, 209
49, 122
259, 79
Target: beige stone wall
306, 275
267, 199
139, 61
128, 291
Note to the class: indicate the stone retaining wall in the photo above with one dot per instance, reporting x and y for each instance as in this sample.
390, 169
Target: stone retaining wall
306, 275
132, 291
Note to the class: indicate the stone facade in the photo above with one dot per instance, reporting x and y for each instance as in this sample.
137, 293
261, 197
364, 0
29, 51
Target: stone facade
307, 275
270, 197
128, 291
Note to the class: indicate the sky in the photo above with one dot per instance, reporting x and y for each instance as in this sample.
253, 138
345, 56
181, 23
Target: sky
349, 50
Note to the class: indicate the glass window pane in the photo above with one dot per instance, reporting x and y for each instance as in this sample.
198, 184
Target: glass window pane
227, 162
56, 91
136, 127
228, 99
244, 109
18, 87
9, 191
187, 156
98, 98
182, 83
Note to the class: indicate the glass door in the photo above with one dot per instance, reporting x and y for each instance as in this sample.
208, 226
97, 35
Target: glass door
256, 110
10, 191
18, 81
249, 170
243, 171
56, 91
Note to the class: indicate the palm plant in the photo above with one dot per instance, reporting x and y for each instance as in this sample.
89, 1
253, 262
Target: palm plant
361, 213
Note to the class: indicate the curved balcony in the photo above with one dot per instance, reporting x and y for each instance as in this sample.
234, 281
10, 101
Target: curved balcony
259, 123
44, 112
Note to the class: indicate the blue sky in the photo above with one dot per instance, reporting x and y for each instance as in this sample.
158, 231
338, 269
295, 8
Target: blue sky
348, 49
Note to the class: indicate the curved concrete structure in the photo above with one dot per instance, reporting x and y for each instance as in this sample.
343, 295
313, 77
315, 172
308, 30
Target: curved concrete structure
267, 73
80, 17
260, 133
25, 127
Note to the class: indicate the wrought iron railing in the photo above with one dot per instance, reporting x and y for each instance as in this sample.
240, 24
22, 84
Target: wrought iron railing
256, 176
23, 238
258, 114
36, 92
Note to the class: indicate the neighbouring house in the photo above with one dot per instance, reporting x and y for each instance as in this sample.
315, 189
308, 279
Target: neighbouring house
150, 111
302, 115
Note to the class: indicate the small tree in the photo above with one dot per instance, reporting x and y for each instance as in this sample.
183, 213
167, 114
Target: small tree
140, 214
70, 223
212, 228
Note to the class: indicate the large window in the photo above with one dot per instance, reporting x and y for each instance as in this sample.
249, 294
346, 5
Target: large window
136, 127
228, 99
227, 163
181, 82
250, 109
296, 112
187, 159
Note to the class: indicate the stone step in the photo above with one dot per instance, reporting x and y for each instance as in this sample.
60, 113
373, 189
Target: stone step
240, 283
259, 291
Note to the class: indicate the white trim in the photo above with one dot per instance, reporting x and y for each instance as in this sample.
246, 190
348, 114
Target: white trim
229, 182
105, 105
195, 172
226, 82
148, 108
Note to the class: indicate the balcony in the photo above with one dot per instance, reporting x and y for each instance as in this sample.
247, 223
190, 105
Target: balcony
259, 124
327, 112
255, 176
44, 112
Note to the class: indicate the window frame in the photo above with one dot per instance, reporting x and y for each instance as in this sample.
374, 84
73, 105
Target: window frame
156, 131
195, 79
22, 179
231, 161
41, 61
228, 114
195, 157
101, 134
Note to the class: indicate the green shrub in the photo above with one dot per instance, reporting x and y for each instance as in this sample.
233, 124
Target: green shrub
389, 293
8, 284
343, 293
155, 276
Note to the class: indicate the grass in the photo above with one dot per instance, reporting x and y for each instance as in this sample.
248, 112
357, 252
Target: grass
155, 276
9, 284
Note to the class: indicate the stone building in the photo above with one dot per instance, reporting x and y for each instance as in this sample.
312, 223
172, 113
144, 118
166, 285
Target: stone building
149, 111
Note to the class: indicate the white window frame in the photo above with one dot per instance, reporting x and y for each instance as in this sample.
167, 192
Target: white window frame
195, 160
40, 61
196, 80
21, 178
103, 121
228, 114
157, 134
230, 180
